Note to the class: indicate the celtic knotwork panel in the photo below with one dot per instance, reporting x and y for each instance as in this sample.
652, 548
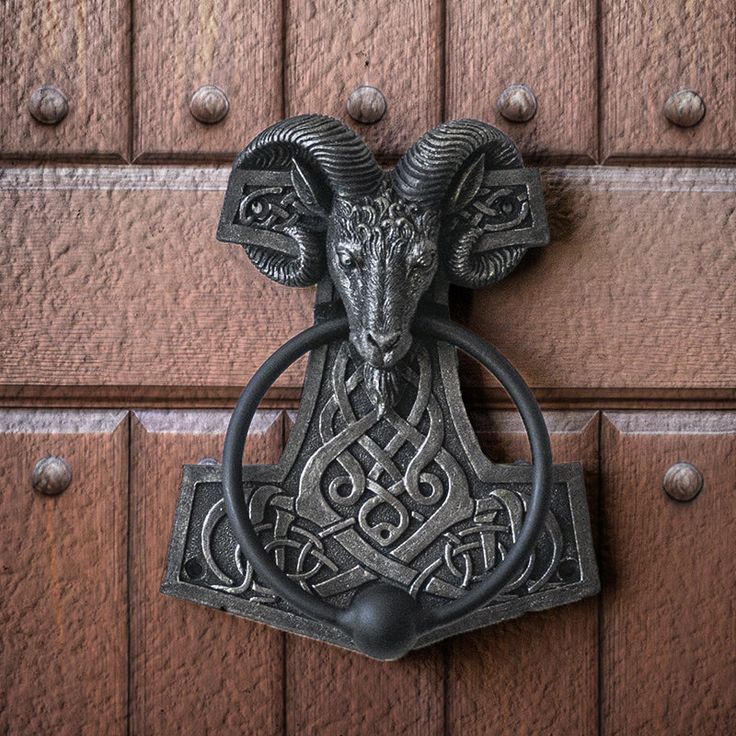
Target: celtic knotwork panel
495, 209
366, 493
381, 497
276, 208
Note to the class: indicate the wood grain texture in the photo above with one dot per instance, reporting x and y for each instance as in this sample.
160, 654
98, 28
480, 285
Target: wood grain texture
637, 286
149, 291
83, 49
63, 668
649, 51
669, 578
180, 47
334, 46
551, 47
333, 692
537, 674
633, 291
193, 669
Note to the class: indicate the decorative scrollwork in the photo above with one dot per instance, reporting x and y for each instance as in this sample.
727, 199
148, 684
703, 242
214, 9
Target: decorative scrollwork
384, 488
273, 208
495, 209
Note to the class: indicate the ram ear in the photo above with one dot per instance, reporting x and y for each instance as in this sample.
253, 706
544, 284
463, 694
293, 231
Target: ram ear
308, 190
465, 188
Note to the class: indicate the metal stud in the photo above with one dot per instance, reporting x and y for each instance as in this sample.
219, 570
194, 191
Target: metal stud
682, 482
48, 105
517, 103
684, 108
51, 476
209, 104
366, 105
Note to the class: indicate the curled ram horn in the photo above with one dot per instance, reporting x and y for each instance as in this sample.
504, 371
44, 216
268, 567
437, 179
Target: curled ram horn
303, 270
447, 165
325, 160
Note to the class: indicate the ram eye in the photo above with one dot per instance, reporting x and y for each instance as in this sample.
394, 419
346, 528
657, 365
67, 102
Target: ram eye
346, 260
424, 261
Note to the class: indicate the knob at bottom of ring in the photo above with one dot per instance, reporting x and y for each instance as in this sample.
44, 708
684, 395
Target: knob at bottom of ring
383, 621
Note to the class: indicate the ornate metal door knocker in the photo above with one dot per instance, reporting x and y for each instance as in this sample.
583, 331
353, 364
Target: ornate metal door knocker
383, 527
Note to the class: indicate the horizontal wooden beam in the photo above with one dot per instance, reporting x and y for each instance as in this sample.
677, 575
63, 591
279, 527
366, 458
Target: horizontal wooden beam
114, 286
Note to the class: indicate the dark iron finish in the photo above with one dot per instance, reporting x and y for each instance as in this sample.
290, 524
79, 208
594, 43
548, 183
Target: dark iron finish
355, 620
383, 507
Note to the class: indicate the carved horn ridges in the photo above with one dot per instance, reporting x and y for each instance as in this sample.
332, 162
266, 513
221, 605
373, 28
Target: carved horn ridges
338, 164
323, 143
425, 172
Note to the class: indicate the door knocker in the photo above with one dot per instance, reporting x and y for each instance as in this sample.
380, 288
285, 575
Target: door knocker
383, 527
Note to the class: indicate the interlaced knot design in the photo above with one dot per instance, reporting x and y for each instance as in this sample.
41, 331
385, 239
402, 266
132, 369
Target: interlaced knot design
384, 485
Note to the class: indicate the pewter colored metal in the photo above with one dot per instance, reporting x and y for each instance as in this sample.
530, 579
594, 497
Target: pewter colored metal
382, 480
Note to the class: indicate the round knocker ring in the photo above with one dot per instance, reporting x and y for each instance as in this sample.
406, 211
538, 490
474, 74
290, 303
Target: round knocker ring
383, 620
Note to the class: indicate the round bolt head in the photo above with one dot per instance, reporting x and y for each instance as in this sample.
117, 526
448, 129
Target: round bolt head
48, 105
517, 103
209, 104
684, 108
366, 105
682, 482
51, 476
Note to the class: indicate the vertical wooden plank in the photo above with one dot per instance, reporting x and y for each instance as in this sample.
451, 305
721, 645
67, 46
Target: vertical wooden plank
180, 47
669, 643
550, 47
193, 668
63, 572
364, 696
537, 674
652, 49
82, 49
333, 692
335, 46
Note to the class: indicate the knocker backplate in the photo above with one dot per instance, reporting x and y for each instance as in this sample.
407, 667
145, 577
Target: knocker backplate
402, 494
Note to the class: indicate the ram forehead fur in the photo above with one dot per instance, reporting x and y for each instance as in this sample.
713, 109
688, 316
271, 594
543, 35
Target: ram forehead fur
385, 223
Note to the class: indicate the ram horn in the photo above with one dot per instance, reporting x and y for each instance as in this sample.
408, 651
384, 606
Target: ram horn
344, 166
425, 174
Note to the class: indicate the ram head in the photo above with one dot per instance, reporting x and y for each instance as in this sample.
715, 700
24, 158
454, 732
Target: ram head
306, 199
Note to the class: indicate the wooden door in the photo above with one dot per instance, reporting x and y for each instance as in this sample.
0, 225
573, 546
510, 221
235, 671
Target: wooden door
127, 333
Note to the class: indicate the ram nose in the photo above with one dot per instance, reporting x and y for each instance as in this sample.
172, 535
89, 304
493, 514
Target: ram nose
383, 342
383, 349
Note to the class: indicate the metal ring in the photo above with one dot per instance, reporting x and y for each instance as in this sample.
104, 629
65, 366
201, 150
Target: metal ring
356, 617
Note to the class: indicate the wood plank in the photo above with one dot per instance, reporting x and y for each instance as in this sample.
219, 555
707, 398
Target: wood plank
192, 666
633, 291
63, 606
333, 692
532, 674
403, 697
621, 287
668, 649
180, 47
333, 47
181, 299
550, 47
649, 51
82, 48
